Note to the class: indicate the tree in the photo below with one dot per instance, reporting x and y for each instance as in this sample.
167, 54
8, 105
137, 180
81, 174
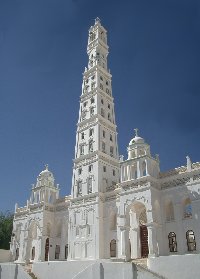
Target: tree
6, 226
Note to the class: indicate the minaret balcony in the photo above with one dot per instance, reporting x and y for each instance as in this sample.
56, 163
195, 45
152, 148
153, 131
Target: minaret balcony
97, 68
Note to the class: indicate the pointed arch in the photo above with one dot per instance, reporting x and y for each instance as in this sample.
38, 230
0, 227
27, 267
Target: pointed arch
187, 208
169, 211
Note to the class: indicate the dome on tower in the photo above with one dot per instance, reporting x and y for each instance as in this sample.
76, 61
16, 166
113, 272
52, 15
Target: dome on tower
136, 138
46, 172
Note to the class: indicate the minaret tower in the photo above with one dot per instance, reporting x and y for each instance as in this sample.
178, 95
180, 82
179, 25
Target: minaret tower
96, 163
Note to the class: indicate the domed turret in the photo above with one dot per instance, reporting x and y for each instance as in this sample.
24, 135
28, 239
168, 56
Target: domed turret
45, 178
136, 138
137, 146
140, 163
45, 188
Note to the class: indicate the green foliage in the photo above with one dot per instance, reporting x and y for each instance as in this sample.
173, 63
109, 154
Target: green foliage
6, 226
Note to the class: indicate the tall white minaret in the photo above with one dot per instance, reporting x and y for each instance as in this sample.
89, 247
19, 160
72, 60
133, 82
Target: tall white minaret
96, 163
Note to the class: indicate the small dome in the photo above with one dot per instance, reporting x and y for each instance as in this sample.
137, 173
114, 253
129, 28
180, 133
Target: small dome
46, 172
136, 139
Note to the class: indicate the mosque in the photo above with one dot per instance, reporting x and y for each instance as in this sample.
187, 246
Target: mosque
120, 209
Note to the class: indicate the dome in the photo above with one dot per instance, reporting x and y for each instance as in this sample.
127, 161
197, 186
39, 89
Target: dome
46, 172
136, 139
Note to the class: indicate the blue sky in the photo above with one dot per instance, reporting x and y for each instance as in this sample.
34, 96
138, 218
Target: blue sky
155, 62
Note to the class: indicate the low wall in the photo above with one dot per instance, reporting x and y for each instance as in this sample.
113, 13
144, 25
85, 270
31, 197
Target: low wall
12, 271
59, 269
5, 256
176, 266
90, 270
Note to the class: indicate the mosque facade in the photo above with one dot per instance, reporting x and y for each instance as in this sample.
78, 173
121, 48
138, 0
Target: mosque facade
118, 208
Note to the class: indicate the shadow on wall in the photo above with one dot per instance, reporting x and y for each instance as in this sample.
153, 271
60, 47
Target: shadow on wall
101, 271
0, 271
16, 271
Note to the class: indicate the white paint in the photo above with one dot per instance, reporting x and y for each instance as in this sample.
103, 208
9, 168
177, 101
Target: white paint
12, 271
173, 267
90, 270
5, 256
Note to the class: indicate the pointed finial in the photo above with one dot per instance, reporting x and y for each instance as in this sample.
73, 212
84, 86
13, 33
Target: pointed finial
189, 163
97, 19
47, 167
136, 132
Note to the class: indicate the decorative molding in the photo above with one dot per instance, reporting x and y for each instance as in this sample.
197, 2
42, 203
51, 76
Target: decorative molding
175, 182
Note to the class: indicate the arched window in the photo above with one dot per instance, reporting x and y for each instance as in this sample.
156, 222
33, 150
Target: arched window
57, 252
33, 254
66, 251
111, 151
113, 248
169, 209
89, 185
81, 149
144, 172
103, 147
187, 208
172, 242
191, 243
90, 146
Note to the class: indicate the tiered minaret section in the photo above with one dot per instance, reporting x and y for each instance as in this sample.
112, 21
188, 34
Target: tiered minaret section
96, 165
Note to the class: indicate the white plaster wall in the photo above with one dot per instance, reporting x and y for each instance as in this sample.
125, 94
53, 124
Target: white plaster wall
13, 271
181, 225
58, 269
5, 256
177, 266
90, 270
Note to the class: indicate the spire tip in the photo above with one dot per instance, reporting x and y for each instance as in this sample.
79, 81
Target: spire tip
136, 132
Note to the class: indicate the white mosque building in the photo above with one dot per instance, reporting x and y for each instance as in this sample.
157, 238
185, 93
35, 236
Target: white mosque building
119, 209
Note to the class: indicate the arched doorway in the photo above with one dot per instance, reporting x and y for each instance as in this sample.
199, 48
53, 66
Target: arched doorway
144, 241
143, 234
47, 249
113, 248
137, 235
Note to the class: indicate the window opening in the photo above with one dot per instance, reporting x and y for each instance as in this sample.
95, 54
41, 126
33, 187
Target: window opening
57, 252
191, 243
172, 242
